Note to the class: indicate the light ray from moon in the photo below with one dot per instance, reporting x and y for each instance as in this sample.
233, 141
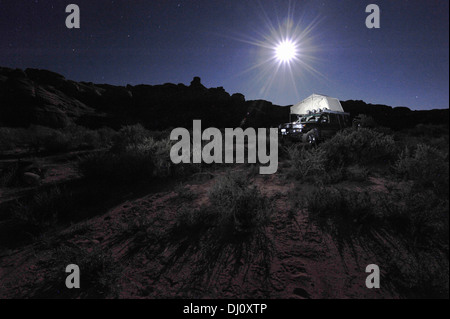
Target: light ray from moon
286, 54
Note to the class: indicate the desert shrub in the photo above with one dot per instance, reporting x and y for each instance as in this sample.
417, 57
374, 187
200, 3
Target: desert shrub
100, 273
90, 140
9, 175
284, 144
359, 146
421, 274
230, 228
37, 138
160, 135
306, 162
435, 136
441, 143
79, 137
44, 208
420, 216
313, 165
57, 142
235, 209
195, 222
429, 130
426, 166
106, 136
6, 142
240, 208
356, 173
421, 220
131, 163
11, 138
366, 121
332, 175
82, 138
160, 155
129, 137
33, 137
126, 167
342, 212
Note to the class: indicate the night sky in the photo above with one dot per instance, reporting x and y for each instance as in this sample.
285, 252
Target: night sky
228, 43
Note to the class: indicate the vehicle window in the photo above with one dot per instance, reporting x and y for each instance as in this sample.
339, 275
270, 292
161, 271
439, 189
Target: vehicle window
310, 118
325, 118
332, 118
341, 120
346, 120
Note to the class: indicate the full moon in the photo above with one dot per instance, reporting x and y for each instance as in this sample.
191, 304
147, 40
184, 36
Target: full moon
286, 51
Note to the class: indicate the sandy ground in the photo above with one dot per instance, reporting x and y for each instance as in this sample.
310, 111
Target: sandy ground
290, 258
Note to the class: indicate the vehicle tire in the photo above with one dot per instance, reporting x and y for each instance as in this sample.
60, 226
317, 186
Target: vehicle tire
312, 137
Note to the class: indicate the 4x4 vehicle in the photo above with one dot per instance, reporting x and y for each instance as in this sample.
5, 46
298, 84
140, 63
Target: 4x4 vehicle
314, 127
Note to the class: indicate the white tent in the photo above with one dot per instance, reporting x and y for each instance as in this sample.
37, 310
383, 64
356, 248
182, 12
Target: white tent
317, 103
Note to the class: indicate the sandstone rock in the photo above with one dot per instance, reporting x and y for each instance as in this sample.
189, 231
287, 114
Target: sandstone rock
45, 77
197, 83
31, 179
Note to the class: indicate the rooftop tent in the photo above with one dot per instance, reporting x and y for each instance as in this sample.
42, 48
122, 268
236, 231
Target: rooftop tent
317, 103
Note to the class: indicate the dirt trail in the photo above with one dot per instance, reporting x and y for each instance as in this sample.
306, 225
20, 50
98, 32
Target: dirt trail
291, 258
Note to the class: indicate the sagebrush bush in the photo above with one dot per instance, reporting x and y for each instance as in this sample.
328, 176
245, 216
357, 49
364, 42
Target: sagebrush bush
79, 137
126, 167
160, 154
11, 138
106, 136
195, 222
366, 121
231, 228
143, 161
356, 173
333, 175
58, 142
429, 130
417, 216
341, 211
306, 163
82, 138
426, 166
9, 175
313, 165
240, 207
359, 146
421, 216
37, 138
45, 208
129, 136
